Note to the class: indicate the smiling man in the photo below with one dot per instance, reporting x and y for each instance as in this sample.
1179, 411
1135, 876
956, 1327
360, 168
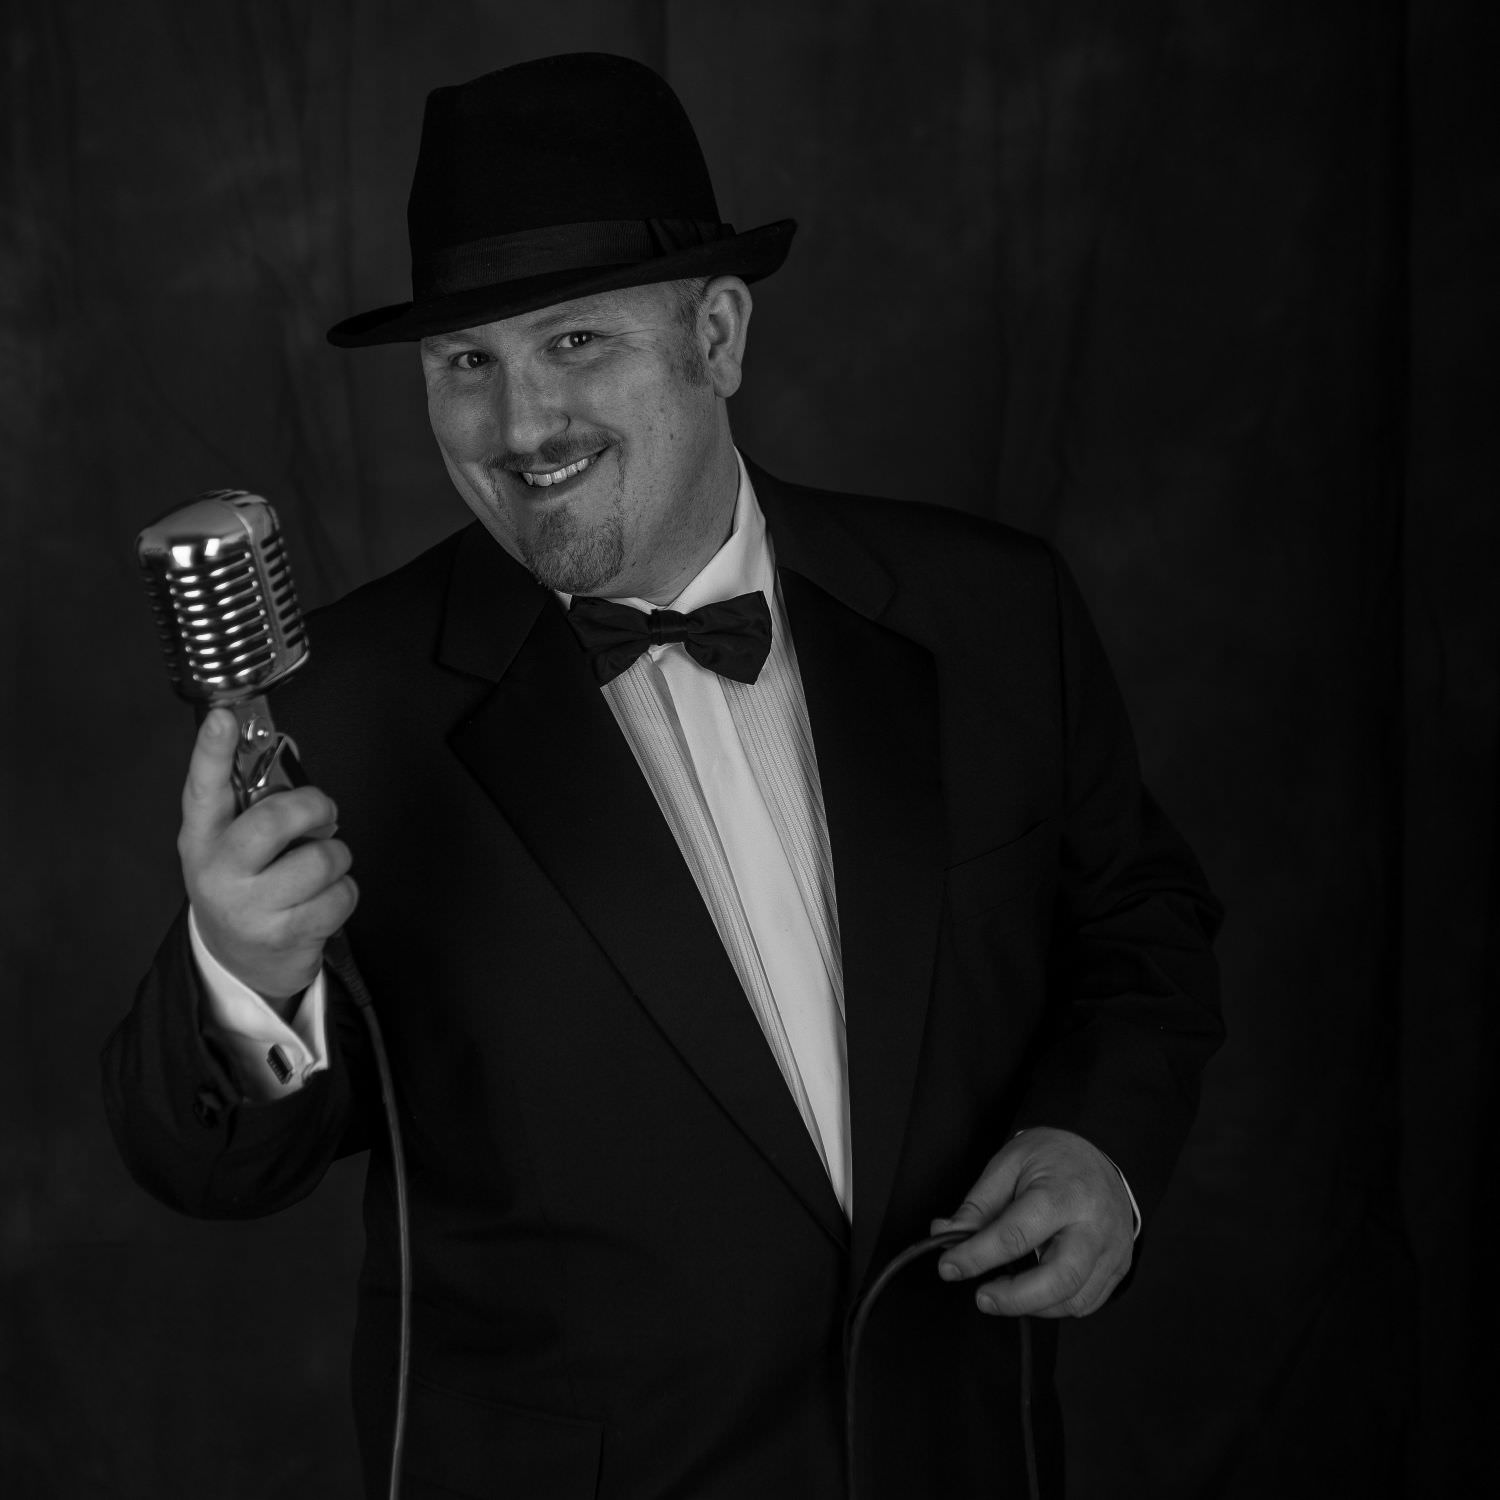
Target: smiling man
752, 881
592, 439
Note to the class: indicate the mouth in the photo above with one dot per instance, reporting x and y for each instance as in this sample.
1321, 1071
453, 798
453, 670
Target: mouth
562, 477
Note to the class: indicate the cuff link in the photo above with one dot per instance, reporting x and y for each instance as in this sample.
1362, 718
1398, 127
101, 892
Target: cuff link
208, 1107
276, 1061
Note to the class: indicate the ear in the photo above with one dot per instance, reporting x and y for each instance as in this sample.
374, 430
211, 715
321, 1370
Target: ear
723, 322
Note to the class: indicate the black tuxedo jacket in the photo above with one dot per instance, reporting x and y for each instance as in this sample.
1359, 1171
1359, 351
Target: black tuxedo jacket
631, 1274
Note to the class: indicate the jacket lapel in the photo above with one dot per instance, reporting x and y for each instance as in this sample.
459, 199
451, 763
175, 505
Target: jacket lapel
873, 704
545, 747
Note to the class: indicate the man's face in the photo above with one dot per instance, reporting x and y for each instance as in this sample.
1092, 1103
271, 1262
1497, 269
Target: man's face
589, 438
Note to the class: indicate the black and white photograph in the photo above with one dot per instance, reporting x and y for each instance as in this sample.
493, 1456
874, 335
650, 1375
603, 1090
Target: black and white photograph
753, 749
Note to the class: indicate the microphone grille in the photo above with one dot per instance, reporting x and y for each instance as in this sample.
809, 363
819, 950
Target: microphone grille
221, 589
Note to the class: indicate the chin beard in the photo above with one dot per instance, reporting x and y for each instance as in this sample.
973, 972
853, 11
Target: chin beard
571, 558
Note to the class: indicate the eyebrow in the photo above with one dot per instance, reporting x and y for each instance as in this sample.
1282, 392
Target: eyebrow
589, 310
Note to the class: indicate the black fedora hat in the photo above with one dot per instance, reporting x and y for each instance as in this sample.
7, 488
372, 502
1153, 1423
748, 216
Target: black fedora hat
552, 180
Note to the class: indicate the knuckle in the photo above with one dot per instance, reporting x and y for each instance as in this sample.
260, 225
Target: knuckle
312, 804
297, 803
252, 829
1072, 1279
1012, 1241
285, 811
1071, 1199
314, 863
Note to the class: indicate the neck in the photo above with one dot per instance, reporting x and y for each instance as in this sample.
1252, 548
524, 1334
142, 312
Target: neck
722, 487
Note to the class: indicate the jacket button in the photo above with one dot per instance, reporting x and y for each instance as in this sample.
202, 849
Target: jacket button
208, 1105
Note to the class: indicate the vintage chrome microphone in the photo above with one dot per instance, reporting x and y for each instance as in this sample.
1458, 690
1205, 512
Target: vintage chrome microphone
227, 612
222, 592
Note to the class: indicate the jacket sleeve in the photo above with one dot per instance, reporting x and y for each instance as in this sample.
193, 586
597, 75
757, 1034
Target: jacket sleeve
186, 1130
1133, 1007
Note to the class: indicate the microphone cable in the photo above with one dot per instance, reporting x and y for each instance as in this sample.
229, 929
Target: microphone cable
337, 956
862, 1311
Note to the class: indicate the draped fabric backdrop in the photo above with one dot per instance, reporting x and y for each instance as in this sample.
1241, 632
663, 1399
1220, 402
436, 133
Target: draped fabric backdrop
1197, 290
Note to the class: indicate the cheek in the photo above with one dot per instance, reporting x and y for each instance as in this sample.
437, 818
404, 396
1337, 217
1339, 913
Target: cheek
462, 428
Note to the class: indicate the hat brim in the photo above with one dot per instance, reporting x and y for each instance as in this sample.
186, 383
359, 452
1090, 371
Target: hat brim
751, 256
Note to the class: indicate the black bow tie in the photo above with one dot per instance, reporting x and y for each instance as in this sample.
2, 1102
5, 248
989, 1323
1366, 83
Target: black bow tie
732, 638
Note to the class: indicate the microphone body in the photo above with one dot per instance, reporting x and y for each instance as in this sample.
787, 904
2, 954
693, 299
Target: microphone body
226, 609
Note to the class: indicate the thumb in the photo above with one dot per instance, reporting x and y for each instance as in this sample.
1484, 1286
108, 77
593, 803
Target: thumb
995, 1188
208, 801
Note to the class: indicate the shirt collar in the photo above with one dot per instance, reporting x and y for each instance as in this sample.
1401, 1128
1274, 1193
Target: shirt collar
742, 565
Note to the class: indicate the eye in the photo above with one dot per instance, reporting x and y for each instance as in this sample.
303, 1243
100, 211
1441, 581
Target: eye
576, 339
458, 360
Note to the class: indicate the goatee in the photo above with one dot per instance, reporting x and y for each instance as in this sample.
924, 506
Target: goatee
571, 558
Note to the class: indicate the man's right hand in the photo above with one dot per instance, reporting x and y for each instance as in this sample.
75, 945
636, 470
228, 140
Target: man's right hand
263, 910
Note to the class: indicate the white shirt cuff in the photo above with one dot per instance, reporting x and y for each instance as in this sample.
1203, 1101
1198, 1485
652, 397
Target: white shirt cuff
1134, 1208
272, 1057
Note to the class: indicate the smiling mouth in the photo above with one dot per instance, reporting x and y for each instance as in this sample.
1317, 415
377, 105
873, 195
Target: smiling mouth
545, 479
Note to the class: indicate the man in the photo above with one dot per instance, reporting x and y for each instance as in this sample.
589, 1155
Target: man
717, 956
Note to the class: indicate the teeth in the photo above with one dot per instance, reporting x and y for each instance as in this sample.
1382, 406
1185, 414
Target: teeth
556, 475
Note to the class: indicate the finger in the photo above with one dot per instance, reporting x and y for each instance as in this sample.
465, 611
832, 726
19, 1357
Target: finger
317, 920
208, 803
1095, 1293
304, 873
261, 834
299, 930
1066, 1270
995, 1188
1025, 1225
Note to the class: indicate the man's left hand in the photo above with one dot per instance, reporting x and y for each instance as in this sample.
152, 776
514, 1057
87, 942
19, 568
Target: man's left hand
1047, 1190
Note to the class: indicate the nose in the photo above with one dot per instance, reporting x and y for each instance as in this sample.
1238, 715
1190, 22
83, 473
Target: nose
528, 408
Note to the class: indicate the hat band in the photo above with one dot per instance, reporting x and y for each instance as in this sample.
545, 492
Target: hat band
557, 247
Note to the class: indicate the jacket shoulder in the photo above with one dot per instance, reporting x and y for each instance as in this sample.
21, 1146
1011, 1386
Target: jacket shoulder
417, 587
895, 527
942, 563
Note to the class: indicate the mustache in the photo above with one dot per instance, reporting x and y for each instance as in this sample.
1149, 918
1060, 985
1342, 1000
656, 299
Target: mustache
551, 455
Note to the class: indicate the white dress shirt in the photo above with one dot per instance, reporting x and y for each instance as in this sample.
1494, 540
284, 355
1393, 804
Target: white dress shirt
732, 767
